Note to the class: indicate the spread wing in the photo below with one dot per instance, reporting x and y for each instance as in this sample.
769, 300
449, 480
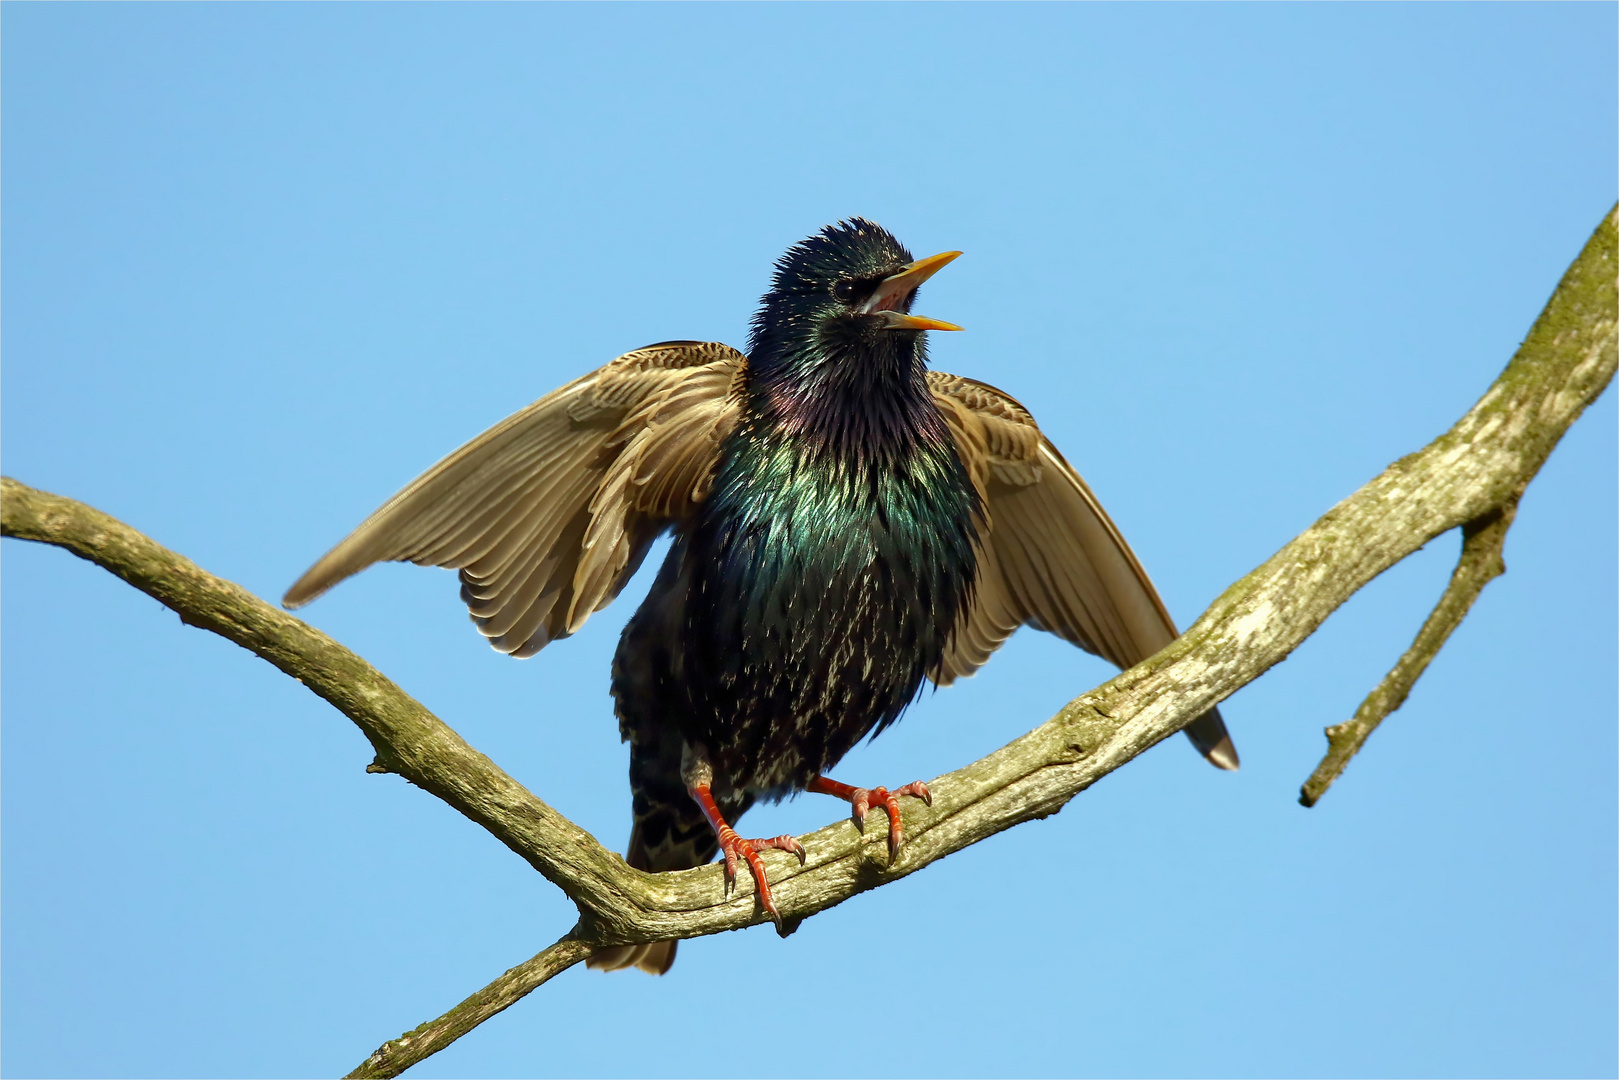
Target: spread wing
1052, 558
548, 513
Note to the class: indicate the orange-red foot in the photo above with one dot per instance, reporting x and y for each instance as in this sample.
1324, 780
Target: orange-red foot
734, 848
863, 799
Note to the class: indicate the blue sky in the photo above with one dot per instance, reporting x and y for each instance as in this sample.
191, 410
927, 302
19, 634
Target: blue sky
265, 263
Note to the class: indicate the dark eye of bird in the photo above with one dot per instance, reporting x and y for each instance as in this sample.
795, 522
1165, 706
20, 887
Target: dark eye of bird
844, 290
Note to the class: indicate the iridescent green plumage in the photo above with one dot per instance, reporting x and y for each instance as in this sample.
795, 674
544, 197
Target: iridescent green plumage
818, 583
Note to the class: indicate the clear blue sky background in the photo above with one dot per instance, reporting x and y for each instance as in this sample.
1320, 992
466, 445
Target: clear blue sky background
263, 264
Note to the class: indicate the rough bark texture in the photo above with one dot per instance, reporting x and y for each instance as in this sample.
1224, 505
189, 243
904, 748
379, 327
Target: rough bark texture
1473, 471
1480, 564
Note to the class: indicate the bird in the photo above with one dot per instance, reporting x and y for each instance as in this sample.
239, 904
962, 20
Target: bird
847, 525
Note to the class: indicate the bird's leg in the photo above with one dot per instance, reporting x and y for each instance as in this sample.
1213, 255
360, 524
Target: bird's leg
863, 799
699, 775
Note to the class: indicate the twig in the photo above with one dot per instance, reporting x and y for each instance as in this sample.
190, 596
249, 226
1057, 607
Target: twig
1480, 564
396, 1055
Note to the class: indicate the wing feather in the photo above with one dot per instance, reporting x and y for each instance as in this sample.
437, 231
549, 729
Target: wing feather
550, 511
1050, 557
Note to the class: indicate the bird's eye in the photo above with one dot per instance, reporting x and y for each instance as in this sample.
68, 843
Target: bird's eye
844, 290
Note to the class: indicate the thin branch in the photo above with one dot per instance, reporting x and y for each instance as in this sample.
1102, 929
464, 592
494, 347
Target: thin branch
396, 1055
1484, 461
1480, 564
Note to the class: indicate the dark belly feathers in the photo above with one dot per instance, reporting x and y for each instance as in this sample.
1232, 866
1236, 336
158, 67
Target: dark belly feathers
799, 610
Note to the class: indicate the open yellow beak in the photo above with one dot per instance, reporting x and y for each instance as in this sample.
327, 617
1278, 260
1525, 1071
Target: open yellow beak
898, 287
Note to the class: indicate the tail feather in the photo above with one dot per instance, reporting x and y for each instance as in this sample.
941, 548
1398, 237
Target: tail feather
1209, 735
663, 839
654, 959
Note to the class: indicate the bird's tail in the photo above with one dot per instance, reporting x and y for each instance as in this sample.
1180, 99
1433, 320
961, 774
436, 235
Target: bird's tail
654, 959
1209, 735
664, 838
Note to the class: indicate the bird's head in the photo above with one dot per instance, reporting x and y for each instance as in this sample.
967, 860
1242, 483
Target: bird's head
841, 300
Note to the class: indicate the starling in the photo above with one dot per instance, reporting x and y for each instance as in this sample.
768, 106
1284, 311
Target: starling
846, 523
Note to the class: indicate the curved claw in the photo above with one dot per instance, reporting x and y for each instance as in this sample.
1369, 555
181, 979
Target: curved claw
860, 806
889, 801
730, 851
918, 789
785, 843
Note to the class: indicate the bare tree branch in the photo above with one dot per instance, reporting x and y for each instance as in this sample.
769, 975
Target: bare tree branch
1477, 468
1480, 564
408, 739
396, 1055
